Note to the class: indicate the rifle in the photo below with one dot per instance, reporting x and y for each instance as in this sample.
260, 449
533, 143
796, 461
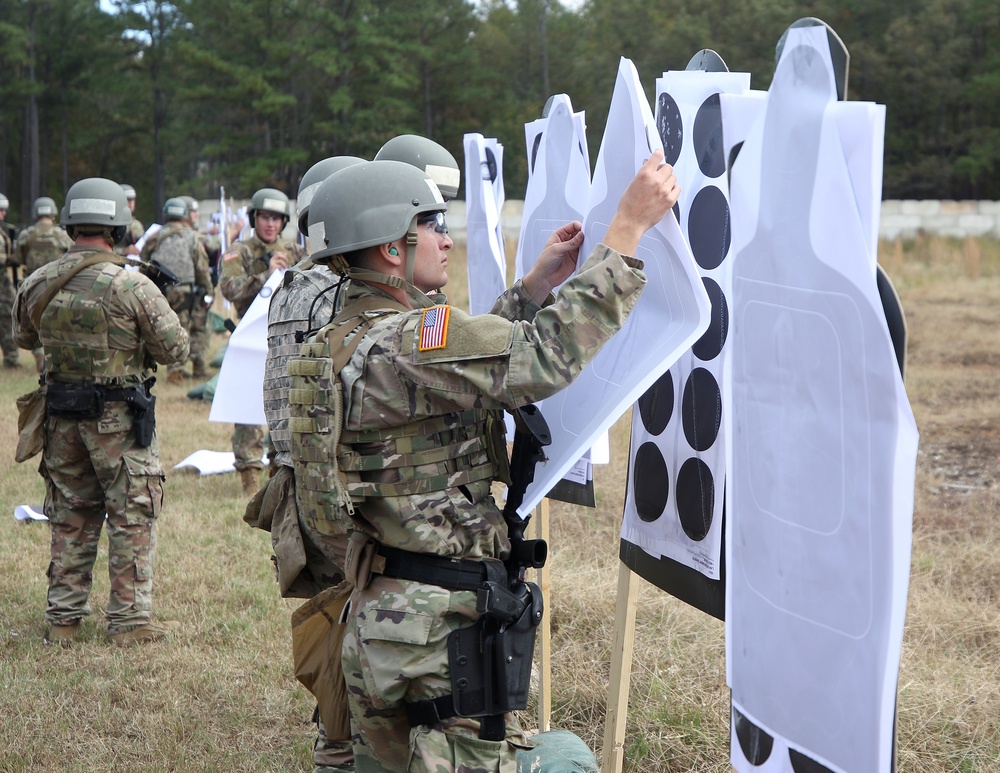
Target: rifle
531, 435
161, 275
491, 661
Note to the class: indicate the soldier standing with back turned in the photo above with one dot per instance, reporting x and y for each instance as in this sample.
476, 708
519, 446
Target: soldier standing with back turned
176, 247
103, 328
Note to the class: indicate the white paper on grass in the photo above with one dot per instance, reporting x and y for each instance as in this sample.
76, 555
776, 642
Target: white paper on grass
486, 261
239, 395
29, 513
665, 536
823, 454
208, 462
672, 312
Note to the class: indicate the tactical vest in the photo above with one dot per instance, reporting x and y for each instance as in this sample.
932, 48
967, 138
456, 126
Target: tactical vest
176, 251
304, 307
43, 244
75, 331
336, 469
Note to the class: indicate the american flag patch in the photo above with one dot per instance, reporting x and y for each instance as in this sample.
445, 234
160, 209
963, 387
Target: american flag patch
230, 255
434, 328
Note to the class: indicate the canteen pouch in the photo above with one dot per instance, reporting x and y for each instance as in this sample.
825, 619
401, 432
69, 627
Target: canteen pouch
30, 424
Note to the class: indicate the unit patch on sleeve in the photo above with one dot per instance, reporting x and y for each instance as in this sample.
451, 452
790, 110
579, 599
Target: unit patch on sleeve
434, 328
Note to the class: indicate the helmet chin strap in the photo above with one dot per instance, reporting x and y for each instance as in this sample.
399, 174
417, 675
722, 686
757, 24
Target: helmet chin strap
417, 299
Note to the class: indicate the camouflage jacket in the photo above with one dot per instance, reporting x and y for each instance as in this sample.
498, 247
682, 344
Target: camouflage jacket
39, 245
177, 247
6, 246
245, 265
107, 325
410, 367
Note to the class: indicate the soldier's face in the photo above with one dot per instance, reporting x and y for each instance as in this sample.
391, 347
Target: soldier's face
131, 205
430, 267
267, 225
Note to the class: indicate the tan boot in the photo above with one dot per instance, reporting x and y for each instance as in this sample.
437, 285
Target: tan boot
145, 633
62, 635
175, 377
251, 481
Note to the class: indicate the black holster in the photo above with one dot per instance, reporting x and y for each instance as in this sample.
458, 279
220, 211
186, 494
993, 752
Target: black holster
142, 406
490, 662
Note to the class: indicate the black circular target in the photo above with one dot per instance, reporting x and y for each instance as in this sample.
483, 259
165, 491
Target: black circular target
670, 127
707, 132
701, 409
709, 232
695, 498
650, 483
657, 404
709, 346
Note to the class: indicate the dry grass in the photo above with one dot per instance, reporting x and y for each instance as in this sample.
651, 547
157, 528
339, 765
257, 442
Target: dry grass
222, 695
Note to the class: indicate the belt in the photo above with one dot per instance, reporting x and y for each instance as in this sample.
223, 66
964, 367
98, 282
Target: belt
450, 573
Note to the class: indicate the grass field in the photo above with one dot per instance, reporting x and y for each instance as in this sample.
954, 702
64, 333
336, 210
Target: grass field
221, 695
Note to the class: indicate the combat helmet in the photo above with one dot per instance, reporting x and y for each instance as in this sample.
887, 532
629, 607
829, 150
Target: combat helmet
370, 204
4, 202
311, 180
43, 207
426, 155
175, 209
96, 204
269, 200
128, 189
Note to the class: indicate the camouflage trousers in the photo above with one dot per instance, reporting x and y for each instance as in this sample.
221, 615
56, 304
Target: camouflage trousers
11, 354
93, 467
248, 446
190, 309
201, 336
396, 651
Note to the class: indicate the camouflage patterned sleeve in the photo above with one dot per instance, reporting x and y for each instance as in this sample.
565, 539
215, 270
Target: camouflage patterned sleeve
21, 247
160, 330
237, 283
432, 367
515, 304
25, 333
202, 278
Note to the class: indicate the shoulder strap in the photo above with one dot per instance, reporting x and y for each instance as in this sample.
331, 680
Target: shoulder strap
61, 280
339, 329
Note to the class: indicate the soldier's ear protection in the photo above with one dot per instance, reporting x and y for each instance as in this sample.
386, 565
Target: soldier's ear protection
393, 251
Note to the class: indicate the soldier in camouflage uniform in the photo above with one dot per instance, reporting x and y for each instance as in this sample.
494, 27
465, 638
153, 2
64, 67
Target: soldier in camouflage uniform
246, 267
11, 355
40, 244
135, 230
176, 247
103, 328
422, 440
201, 336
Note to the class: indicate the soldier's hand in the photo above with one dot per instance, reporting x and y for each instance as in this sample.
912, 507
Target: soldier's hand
278, 262
651, 194
556, 263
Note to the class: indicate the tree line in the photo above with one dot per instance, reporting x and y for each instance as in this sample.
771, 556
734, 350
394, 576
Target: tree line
186, 96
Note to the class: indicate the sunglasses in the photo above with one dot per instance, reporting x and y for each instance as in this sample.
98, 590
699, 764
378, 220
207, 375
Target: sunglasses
437, 219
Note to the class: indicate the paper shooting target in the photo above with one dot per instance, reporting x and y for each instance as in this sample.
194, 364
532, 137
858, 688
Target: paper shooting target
672, 532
